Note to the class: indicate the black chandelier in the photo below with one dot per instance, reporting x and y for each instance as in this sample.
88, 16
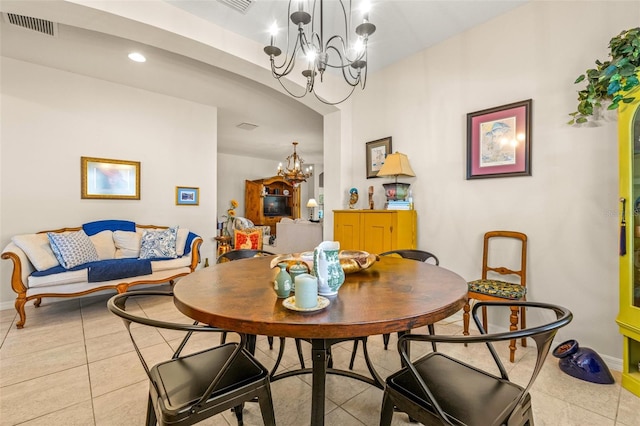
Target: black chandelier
344, 51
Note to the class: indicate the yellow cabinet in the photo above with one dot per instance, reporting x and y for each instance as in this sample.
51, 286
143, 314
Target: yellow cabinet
629, 315
375, 231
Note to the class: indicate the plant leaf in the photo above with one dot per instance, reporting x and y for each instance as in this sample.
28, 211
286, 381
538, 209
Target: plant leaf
579, 79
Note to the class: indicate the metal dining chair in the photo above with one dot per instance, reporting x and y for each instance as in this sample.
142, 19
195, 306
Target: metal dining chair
439, 389
187, 389
418, 255
242, 254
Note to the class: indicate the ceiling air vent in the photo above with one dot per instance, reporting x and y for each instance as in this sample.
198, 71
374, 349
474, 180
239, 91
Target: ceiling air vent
36, 24
240, 5
246, 126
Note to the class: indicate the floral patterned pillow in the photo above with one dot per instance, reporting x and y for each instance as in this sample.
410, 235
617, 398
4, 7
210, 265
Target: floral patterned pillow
159, 244
247, 239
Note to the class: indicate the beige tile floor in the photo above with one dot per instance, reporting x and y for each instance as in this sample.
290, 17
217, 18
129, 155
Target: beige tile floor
73, 364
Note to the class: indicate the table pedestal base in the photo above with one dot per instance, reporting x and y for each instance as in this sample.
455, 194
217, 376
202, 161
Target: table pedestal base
321, 358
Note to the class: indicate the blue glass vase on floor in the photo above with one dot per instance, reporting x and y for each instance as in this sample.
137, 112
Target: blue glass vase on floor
582, 363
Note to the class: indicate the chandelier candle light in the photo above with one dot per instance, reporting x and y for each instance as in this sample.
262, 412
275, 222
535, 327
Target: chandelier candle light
293, 172
396, 164
318, 51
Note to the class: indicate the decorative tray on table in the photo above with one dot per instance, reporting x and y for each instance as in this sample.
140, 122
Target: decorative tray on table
350, 260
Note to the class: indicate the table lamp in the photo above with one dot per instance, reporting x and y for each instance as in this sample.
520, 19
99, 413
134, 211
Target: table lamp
310, 205
396, 164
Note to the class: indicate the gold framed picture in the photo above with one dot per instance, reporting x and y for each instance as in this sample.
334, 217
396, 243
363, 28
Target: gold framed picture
187, 196
104, 178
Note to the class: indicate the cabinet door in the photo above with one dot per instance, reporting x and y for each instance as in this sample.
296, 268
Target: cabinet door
253, 202
629, 315
378, 232
346, 230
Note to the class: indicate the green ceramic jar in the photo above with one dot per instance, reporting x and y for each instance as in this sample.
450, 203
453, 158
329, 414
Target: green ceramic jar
295, 270
282, 284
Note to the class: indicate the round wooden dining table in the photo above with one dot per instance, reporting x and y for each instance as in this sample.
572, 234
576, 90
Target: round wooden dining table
393, 295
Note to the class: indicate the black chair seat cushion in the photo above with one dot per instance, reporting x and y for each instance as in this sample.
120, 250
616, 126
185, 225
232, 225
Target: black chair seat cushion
183, 381
468, 395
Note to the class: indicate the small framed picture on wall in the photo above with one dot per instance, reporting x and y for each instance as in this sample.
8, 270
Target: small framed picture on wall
377, 151
187, 196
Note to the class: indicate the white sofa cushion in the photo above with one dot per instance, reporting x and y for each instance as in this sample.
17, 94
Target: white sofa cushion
73, 248
127, 244
181, 240
165, 265
69, 277
103, 242
37, 249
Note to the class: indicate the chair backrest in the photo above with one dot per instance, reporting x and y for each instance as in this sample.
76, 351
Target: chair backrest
242, 254
502, 270
542, 335
419, 255
117, 305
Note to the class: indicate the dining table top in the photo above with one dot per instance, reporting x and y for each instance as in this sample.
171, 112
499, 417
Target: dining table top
392, 295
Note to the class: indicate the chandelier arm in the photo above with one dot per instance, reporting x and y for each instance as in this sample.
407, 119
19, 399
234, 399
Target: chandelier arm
336, 102
350, 79
288, 63
289, 91
342, 55
347, 22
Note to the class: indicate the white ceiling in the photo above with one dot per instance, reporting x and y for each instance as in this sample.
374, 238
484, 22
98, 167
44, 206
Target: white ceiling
403, 28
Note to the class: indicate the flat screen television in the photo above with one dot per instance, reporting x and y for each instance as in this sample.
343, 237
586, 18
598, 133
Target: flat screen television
276, 206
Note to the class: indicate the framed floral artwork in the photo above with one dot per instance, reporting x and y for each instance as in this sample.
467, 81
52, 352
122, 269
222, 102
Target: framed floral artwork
499, 141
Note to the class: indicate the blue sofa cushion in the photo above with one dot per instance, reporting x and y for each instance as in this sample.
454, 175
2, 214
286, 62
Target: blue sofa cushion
93, 228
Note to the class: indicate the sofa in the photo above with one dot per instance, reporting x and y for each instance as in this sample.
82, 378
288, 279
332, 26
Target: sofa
101, 255
295, 236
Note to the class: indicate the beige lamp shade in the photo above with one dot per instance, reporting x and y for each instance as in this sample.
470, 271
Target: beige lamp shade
396, 164
312, 203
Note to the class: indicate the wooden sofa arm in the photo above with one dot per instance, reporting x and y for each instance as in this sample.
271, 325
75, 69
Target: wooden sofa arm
195, 253
22, 267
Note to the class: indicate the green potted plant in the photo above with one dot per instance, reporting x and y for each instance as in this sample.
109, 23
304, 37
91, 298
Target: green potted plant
614, 80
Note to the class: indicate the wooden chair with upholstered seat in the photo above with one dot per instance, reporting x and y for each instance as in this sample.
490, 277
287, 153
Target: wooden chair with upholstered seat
489, 288
187, 389
439, 389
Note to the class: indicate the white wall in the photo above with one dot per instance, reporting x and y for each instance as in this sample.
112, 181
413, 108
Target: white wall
535, 51
51, 118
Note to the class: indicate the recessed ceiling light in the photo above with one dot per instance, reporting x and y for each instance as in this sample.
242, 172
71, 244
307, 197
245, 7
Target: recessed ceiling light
138, 57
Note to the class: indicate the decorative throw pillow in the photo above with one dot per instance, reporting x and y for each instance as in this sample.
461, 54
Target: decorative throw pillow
247, 239
103, 242
37, 249
159, 244
127, 244
73, 248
